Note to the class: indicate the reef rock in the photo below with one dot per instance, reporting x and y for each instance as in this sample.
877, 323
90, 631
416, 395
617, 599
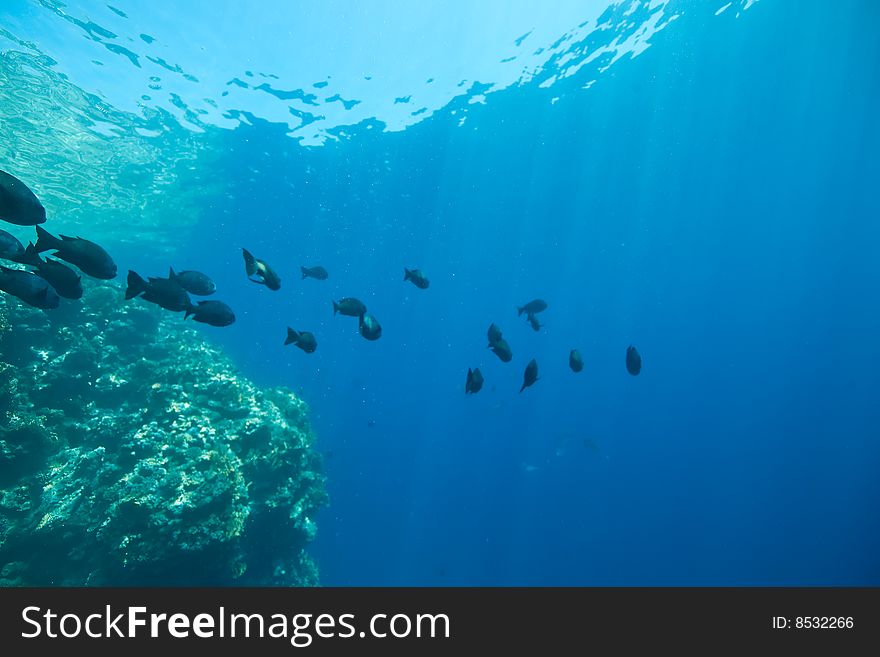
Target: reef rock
133, 453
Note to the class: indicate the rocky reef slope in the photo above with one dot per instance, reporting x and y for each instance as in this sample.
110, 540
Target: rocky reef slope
132, 453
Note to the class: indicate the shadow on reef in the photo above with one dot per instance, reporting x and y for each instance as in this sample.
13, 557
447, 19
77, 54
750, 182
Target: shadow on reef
132, 453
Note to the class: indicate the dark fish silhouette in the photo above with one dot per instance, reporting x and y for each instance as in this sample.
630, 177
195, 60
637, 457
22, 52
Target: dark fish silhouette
530, 375
533, 322
18, 204
498, 344
214, 313
501, 349
88, 256
194, 282
265, 274
162, 291
532, 307
302, 339
66, 282
350, 307
28, 287
474, 381
633, 360
318, 273
494, 334
575, 361
369, 327
10, 247
417, 277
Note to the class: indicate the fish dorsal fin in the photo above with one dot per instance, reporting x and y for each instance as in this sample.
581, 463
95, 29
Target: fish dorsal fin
202, 303
68, 238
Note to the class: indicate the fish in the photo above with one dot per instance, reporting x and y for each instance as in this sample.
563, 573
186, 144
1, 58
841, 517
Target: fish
532, 307
90, 258
474, 381
533, 322
575, 361
416, 277
494, 334
67, 283
350, 307
318, 273
255, 267
213, 313
501, 349
194, 282
10, 247
162, 291
633, 360
18, 204
530, 375
30, 288
302, 339
369, 327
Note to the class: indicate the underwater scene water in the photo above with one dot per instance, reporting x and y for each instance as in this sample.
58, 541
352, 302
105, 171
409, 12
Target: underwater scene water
689, 186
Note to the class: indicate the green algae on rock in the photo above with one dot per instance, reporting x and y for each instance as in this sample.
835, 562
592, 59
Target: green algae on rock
133, 453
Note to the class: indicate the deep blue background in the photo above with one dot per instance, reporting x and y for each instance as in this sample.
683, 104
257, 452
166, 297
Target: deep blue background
713, 201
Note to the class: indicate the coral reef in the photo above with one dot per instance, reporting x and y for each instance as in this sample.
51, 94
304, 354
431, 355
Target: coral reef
132, 453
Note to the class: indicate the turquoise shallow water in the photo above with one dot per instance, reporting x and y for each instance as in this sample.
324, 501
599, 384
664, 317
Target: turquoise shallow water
694, 178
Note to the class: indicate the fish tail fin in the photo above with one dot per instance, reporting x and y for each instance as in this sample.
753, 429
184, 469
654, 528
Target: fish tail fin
45, 240
523, 387
335, 307
292, 336
136, 285
519, 311
171, 274
190, 310
305, 273
31, 256
250, 263
407, 274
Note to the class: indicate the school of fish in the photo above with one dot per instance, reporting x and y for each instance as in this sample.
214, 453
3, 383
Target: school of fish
45, 281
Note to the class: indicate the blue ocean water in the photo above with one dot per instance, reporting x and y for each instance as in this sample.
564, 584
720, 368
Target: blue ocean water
712, 201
